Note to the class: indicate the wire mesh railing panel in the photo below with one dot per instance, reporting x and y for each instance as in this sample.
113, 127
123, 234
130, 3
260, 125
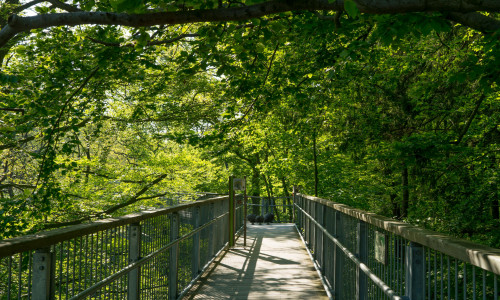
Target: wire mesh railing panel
185, 250
15, 276
154, 275
450, 278
79, 263
206, 235
365, 256
148, 255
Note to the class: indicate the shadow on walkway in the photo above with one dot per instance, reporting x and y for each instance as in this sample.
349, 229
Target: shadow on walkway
274, 265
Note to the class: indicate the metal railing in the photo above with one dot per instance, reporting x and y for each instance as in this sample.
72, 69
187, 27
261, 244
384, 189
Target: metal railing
365, 256
154, 254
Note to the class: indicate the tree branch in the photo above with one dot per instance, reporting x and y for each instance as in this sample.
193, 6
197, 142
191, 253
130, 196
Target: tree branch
477, 21
17, 24
135, 198
21, 110
64, 6
152, 43
469, 121
17, 186
109, 177
110, 210
30, 138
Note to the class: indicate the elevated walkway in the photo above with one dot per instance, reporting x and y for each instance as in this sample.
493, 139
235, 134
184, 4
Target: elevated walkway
180, 252
273, 265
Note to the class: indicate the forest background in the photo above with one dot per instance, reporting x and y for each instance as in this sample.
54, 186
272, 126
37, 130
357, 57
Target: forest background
106, 108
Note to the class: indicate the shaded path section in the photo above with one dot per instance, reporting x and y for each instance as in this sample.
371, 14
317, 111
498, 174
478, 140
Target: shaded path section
274, 265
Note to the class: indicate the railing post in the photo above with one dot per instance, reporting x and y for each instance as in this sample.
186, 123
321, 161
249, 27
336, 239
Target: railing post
415, 272
323, 238
306, 205
338, 259
293, 203
134, 254
174, 258
314, 229
43, 275
195, 262
362, 254
231, 212
245, 212
300, 215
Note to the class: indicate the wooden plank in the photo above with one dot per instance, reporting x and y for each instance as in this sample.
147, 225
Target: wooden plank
484, 257
274, 265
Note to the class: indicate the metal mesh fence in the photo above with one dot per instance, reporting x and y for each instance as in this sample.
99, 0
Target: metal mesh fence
151, 255
364, 256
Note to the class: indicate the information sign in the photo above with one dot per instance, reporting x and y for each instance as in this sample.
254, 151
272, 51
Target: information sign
381, 247
239, 184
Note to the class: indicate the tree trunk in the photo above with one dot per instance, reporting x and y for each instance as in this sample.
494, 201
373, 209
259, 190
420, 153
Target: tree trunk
495, 203
315, 158
270, 197
286, 194
406, 193
396, 212
87, 153
255, 192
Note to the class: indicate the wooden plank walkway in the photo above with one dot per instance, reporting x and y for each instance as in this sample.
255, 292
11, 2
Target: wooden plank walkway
274, 265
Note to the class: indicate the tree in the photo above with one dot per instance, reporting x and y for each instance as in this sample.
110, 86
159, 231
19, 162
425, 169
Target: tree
156, 13
392, 107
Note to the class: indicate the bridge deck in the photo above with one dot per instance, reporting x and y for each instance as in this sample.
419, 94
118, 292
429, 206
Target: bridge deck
274, 265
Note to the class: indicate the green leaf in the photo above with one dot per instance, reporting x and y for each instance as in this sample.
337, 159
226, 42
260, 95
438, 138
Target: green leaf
351, 8
7, 128
126, 5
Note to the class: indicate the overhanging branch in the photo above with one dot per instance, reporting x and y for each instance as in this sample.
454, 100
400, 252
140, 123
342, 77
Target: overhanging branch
17, 24
111, 209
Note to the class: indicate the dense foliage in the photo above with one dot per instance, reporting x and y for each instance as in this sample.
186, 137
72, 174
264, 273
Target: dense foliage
398, 114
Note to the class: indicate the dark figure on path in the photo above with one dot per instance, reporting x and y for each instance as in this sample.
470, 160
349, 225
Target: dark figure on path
268, 218
251, 218
259, 219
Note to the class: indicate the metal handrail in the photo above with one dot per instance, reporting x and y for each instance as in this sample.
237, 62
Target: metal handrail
378, 281
125, 256
35, 241
351, 246
141, 261
482, 256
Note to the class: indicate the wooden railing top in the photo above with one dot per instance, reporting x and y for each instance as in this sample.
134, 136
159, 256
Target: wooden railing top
482, 256
47, 238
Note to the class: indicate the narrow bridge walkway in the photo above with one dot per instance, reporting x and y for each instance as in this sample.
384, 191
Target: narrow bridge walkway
273, 265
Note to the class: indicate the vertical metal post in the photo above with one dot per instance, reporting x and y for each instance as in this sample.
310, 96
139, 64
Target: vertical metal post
174, 257
323, 238
299, 201
415, 271
231, 212
362, 254
43, 275
309, 224
134, 254
337, 258
314, 229
305, 206
245, 214
293, 202
195, 262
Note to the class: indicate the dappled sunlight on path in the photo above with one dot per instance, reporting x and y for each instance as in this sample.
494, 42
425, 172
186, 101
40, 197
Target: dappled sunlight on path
273, 265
